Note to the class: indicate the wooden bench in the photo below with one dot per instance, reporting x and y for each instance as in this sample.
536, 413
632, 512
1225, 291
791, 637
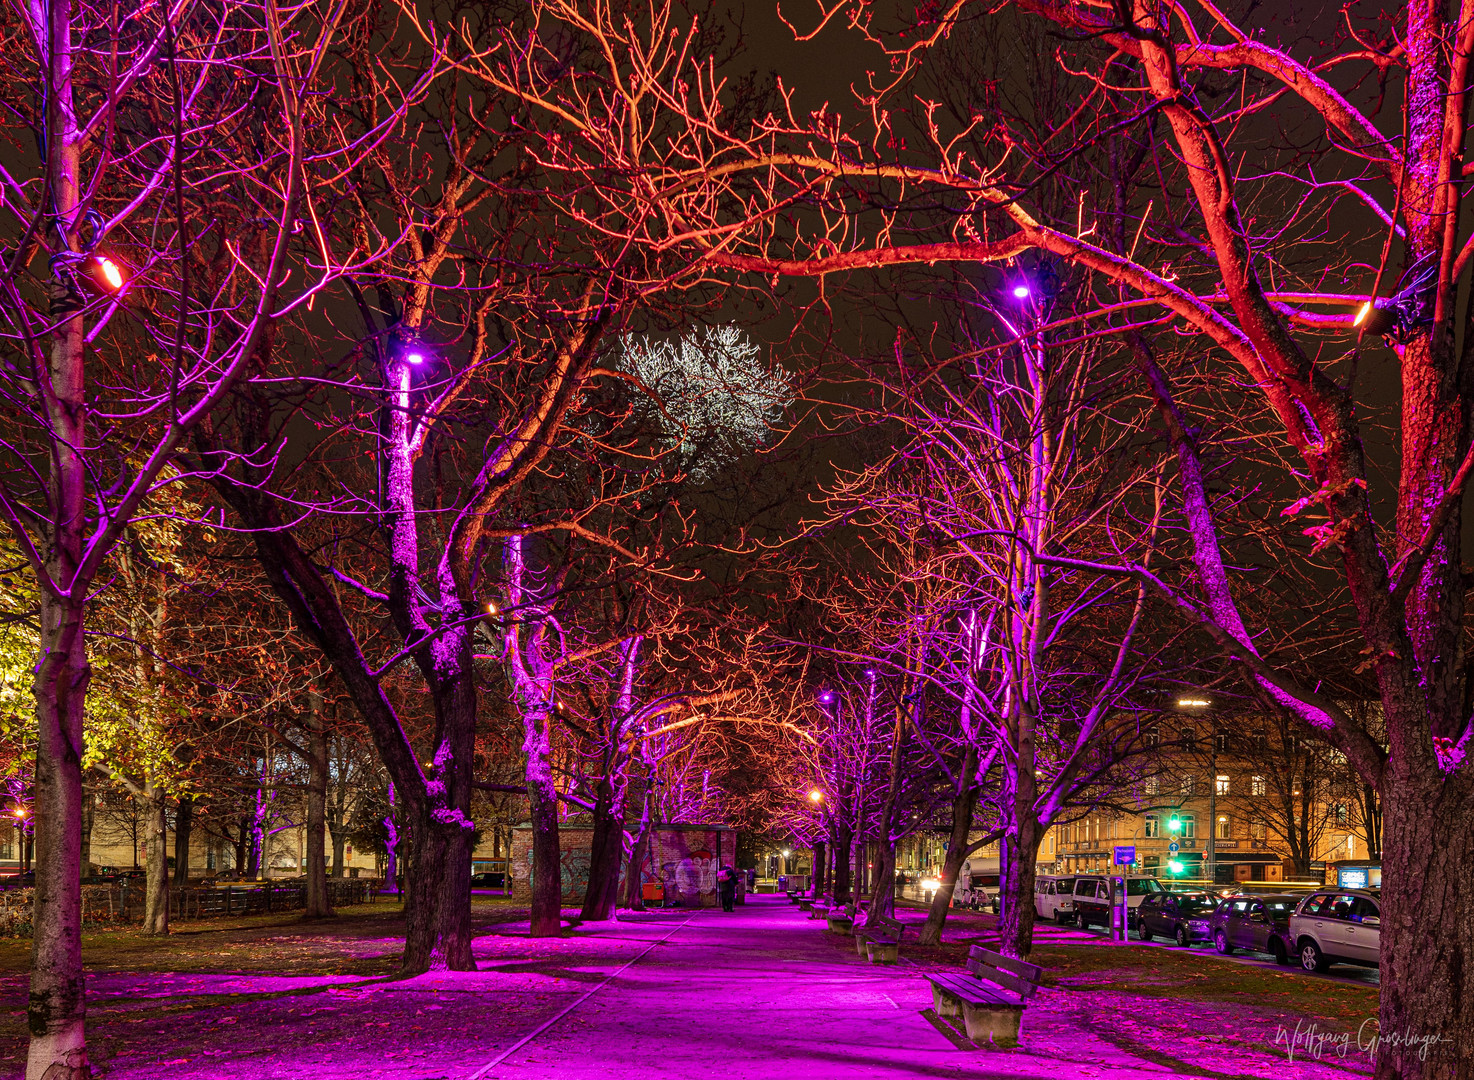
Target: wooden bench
879, 940
842, 919
819, 909
794, 896
990, 1013
806, 903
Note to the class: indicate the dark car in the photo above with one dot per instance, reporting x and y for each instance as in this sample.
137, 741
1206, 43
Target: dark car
1183, 917
490, 879
1093, 902
1260, 923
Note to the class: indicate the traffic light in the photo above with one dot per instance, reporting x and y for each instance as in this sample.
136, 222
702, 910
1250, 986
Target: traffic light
1175, 824
1174, 866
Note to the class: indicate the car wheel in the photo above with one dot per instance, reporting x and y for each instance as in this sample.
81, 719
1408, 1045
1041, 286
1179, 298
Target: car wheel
1281, 956
1144, 932
1311, 958
1221, 945
1183, 940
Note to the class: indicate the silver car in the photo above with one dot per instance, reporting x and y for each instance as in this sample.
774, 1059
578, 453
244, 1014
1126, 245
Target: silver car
1338, 926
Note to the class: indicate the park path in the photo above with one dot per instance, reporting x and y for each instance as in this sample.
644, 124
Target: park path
761, 992
766, 992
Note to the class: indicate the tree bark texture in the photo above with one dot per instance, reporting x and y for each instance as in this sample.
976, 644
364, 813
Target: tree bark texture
963, 805
156, 880
183, 826
606, 854
318, 902
819, 867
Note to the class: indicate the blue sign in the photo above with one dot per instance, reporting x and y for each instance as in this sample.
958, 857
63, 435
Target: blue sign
1172, 846
1125, 856
1352, 877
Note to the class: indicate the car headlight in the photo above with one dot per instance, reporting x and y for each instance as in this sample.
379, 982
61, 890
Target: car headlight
930, 884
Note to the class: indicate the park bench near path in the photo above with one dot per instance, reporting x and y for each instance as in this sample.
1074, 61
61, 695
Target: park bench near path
842, 919
990, 1013
879, 940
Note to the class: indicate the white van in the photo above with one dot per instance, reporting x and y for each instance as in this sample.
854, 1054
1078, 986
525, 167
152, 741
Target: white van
1054, 898
977, 886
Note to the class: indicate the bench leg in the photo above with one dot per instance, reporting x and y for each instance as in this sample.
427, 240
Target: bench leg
945, 1004
883, 952
860, 944
840, 926
989, 1024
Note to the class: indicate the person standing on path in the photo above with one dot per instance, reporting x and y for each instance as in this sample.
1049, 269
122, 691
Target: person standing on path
727, 886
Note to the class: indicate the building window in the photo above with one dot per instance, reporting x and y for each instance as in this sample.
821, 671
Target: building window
1152, 827
7, 849
1225, 828
1220, 741
1151, 736
1187, 826
1261, 742
1151, 785
1220, 785
1256, 785
1257, 831
1341, 813
1189, 786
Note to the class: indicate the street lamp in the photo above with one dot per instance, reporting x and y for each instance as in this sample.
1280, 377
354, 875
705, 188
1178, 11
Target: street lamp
816, 796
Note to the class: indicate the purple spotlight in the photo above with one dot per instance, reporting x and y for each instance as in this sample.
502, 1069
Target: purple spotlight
870, 673
825, 697
416, 358
1021, 291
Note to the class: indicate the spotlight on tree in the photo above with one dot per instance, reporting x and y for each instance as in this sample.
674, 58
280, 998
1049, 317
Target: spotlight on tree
107, 273
1021, 291
816, 796
1377, 318
414, 356
826, 697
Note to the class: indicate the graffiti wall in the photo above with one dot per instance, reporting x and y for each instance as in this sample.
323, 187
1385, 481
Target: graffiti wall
683, 859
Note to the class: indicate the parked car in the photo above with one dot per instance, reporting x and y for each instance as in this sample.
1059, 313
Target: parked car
1054, 898
1257, 922
1338, 926
1093, 904
488, 879
1183, 917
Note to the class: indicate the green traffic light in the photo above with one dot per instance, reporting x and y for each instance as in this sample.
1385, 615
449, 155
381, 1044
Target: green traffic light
1175, 866
1175, 825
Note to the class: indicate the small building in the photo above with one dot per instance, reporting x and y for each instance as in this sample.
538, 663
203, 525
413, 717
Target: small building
682, 859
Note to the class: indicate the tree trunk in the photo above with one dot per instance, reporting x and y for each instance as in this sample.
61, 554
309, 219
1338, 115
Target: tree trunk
1016, 890
606, 854
340, 846
883, 896
57, 1011
542, 804
318, 902
156, 880
183, 826
817, 889
962, 810
1427, 911
634, 884
437, 933
89, 807
241, 852
843, 842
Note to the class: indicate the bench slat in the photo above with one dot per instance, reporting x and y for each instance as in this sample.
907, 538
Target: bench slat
973, 992
1022, 987
1022, 968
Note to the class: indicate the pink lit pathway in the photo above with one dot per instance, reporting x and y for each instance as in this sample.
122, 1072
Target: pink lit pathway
760, 993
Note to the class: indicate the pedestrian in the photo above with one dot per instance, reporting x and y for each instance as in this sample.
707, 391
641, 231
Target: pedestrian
727, 886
